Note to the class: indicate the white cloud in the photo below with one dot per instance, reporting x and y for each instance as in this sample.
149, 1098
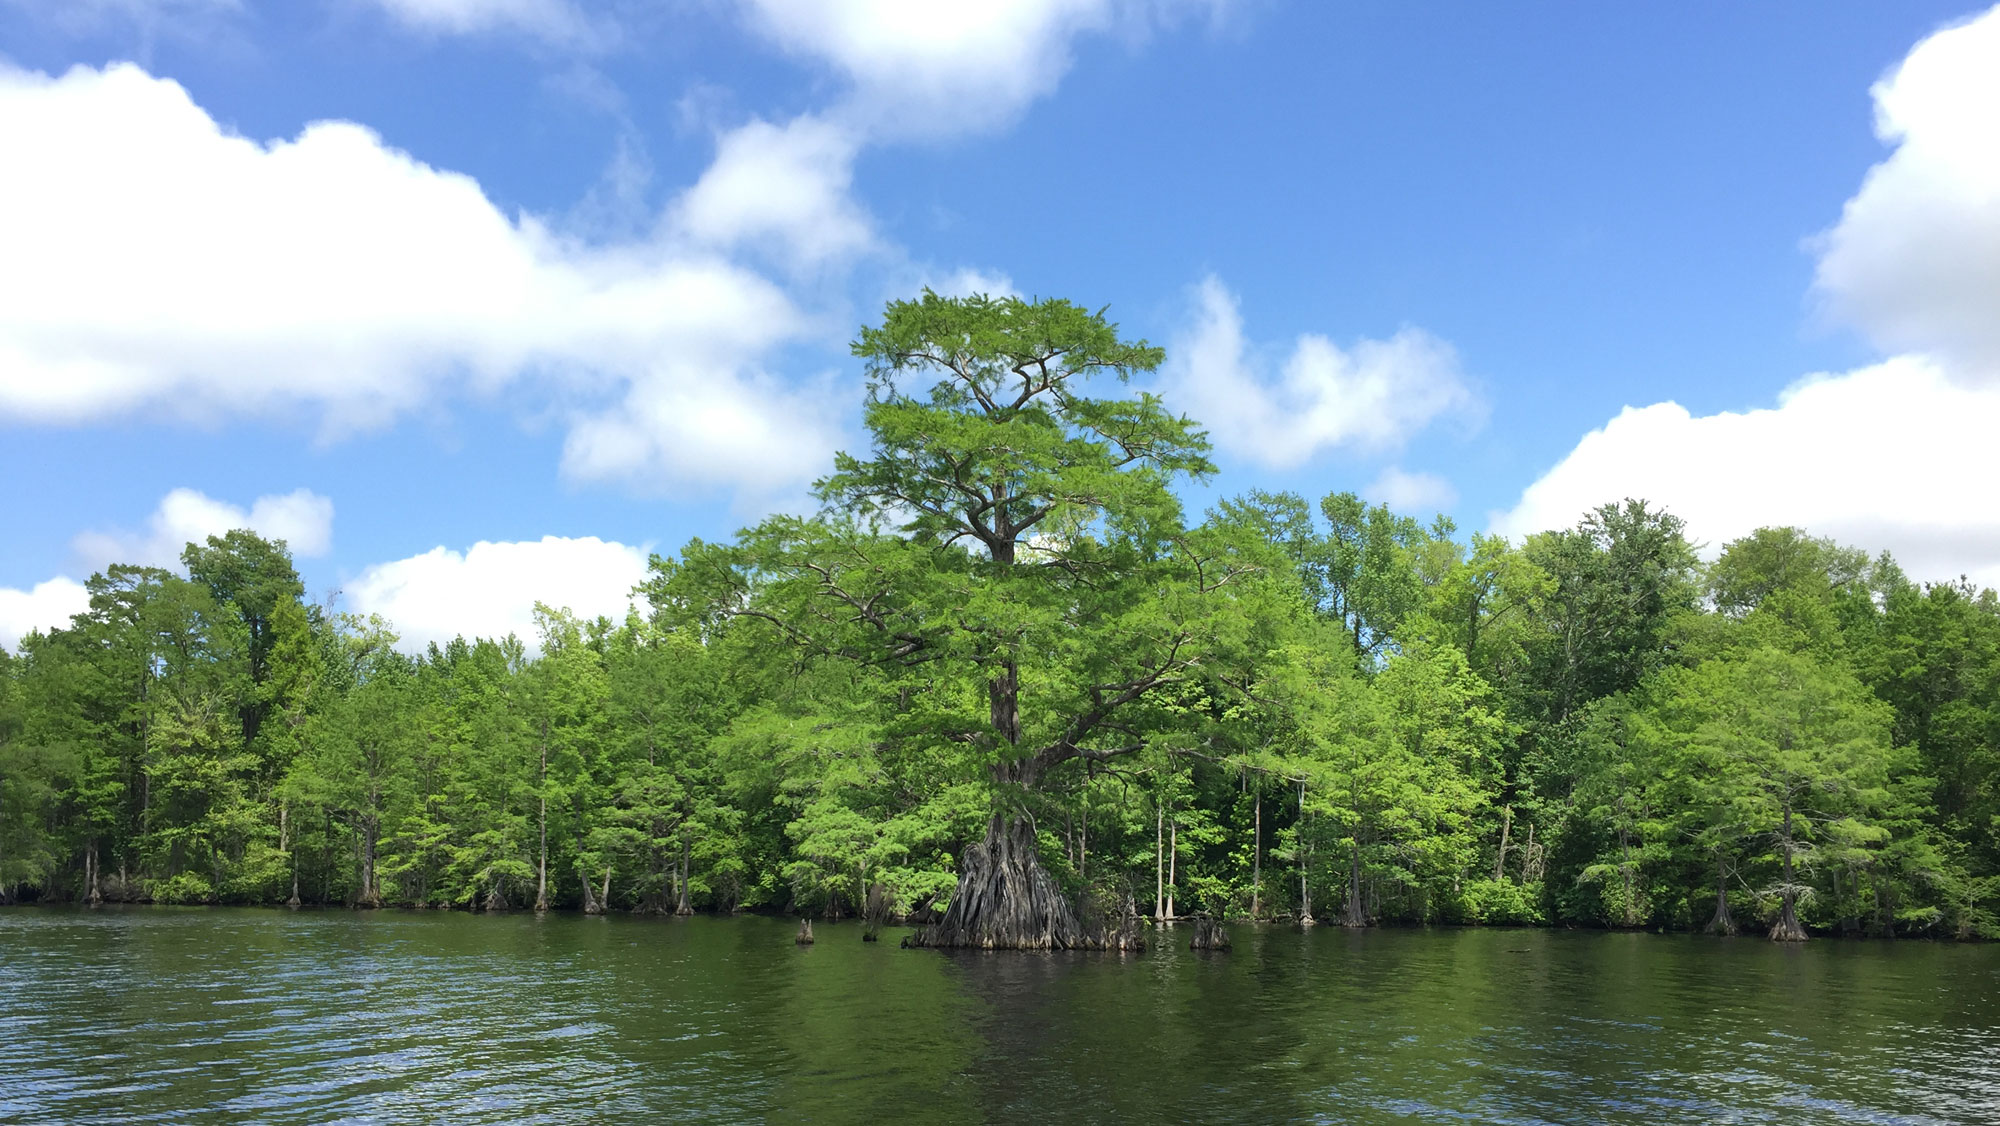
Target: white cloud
160, 265
44, 607
557, 21
1915, 258
917, 65
1367, 398
1900, 455
1410, 493
302, 518
750, 433
1893, 456
780, 186
491, 589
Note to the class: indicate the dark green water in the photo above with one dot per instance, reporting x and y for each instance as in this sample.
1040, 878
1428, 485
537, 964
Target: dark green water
159, 1015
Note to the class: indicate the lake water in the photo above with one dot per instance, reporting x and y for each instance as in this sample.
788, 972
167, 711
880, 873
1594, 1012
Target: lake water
163, 1015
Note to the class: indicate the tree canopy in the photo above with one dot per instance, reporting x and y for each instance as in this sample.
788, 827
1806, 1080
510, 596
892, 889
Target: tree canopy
1005, 686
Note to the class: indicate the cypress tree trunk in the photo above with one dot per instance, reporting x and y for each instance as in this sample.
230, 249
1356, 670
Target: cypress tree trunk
1159, 863
1257, 859
1173, 864
1305, 864
1355, 915
685, 906
1083, 837
91, 895
1506, 825
1006, 900
1723, 922
1788, 927
371, 896
542, 805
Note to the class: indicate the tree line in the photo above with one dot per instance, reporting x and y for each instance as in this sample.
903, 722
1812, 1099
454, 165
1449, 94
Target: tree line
1002, 685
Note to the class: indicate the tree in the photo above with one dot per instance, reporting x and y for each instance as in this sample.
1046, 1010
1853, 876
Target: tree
1769, 560
1792, 758
357, 748
1040, 583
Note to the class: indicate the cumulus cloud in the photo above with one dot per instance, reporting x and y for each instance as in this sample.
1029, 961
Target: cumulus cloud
490, 590
302, 518
45, 606
1410, 493
1915, 258
1367, 398
752, 433
784, 187
930, 67
159, 265
1899, 455
1894, 456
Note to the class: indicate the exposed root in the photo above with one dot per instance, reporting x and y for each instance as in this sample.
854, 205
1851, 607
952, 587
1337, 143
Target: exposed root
1006, 900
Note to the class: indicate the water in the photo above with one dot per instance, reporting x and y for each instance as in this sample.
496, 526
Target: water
163, 1015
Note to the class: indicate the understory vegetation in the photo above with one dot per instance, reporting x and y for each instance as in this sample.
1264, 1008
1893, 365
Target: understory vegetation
1003, 666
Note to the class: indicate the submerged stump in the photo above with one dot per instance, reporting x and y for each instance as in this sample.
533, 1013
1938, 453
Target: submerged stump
805, 937
1209, 935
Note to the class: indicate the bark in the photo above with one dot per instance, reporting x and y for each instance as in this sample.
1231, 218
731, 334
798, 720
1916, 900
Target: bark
371, 895
1788, 928
1173, 865
1083, 838
1257, 860
874, 909
1159, 863
1630, 917
542, 804
685, 906
604, 900
1305, 864
91, 895
285, 846
1506, 826
1723, 922
1355, 915
1006, 900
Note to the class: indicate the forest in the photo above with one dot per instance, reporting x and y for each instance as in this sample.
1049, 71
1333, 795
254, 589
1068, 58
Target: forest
1004, 686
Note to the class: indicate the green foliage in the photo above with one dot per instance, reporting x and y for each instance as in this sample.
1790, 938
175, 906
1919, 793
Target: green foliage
1003, 612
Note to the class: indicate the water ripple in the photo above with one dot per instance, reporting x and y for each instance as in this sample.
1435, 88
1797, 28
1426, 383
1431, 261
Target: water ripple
160, 1016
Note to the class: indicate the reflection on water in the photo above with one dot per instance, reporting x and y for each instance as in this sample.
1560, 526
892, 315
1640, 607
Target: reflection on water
162, 1015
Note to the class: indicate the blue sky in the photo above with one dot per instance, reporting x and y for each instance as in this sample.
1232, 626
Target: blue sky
572, 280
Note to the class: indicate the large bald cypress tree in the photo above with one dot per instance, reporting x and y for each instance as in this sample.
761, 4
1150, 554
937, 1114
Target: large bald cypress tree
1011, 553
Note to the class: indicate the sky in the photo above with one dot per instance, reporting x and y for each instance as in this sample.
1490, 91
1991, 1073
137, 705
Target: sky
477, 302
